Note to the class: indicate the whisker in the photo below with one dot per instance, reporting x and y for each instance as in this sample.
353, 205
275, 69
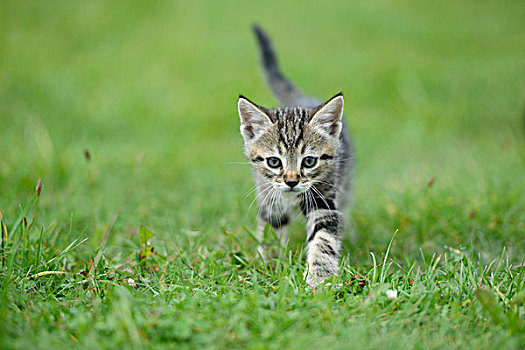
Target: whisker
260, 193
329, 184
308, 201
265, 197
314, 203
272, 202
250, 191
322, 197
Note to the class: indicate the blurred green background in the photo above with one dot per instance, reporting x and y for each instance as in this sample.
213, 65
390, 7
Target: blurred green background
127, 111
433, 90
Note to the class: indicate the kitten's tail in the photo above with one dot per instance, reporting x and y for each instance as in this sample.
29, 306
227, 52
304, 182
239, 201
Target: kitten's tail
282, 88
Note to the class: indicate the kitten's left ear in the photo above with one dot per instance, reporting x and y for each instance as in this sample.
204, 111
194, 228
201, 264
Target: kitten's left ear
254, 118
329, 117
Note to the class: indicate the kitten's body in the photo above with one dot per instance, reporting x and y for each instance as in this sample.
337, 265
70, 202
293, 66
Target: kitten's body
301, 158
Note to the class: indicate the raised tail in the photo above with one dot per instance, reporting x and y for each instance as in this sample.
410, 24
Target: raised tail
282, 88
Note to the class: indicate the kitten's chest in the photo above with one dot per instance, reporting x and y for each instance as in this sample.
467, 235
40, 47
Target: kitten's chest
289, 202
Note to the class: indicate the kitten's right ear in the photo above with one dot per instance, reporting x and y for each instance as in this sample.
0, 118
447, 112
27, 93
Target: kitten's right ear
254, 119
328, 118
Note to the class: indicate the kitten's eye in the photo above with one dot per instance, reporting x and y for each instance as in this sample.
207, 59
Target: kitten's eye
273, 162
309, 162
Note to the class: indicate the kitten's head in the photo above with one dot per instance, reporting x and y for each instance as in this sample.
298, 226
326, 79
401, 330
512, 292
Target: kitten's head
291, 148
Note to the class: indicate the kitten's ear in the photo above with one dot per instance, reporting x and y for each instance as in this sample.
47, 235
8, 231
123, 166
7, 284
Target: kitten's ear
328, 117
254, 119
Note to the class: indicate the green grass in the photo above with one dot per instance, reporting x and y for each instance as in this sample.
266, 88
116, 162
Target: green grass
433, 90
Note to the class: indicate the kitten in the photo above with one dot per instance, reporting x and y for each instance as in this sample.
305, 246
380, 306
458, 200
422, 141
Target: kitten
301, 158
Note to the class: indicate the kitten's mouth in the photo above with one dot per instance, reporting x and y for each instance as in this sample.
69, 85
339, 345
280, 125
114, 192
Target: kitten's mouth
294, 190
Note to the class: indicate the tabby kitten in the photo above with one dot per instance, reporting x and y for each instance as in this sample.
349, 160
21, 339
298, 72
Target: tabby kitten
301, 158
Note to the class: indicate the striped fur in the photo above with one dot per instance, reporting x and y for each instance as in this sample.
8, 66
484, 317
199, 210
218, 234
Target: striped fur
301, 157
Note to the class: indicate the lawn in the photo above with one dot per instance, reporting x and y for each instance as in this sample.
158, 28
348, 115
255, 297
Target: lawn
142, 234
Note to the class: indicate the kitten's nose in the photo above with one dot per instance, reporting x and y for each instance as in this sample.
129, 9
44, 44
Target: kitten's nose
291, 183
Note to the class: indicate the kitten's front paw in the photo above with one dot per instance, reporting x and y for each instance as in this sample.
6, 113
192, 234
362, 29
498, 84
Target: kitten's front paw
311, 280
262, 252
318, 274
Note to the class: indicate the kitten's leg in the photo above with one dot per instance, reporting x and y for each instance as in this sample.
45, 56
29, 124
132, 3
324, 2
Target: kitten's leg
278, 221
323, 244
265, 249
